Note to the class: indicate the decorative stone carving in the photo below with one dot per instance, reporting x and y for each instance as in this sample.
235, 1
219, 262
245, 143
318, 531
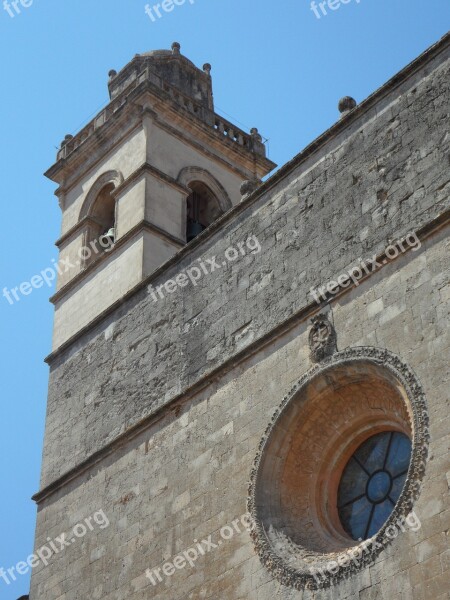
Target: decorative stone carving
255, 134
346, 104
248, 187
257, 141
66, 140
298, 564
322, 338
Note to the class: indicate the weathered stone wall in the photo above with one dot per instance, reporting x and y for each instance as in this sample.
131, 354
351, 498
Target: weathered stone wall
312, 226
185, 475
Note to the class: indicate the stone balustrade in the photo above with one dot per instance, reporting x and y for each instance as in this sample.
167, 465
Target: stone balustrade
251, 142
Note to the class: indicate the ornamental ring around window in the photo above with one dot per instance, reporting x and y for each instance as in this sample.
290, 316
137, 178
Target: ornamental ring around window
339, 465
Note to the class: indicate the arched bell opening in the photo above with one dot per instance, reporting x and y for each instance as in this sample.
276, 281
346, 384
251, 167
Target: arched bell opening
100, 234
202, 209
103, 211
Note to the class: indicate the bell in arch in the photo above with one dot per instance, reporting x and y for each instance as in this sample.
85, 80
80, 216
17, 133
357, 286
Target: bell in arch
108, 238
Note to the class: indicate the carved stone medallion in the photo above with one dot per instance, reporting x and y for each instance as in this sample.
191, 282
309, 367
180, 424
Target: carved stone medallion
322, 338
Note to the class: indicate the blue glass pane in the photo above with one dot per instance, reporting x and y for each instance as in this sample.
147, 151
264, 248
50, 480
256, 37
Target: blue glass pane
379, 486
372, 453
399, 454
397, 487
380, 516
355, 518
372, 483
353, 483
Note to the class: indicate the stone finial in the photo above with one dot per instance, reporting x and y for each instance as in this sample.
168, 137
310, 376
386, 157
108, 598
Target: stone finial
248, 187
346, 104
66, 140
207, 68
255, 134
112, 73
176, 47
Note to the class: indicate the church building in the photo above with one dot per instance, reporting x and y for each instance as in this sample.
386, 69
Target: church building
248, 394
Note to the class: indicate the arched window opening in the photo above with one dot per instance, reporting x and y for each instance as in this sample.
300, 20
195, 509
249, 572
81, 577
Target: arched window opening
103, 211
202, 209
101, 228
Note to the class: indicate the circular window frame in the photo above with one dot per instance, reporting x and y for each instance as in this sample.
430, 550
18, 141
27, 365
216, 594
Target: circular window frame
302, 577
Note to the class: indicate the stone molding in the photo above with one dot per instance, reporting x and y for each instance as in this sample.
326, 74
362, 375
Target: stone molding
136, 230
115, 177
188, 175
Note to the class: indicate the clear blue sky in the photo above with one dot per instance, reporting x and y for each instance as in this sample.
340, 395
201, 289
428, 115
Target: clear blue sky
276, 66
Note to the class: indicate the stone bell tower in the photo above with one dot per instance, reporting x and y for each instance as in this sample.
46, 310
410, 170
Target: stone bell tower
145, 176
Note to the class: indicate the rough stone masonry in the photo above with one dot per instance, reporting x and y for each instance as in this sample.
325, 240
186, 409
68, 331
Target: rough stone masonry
155, 413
